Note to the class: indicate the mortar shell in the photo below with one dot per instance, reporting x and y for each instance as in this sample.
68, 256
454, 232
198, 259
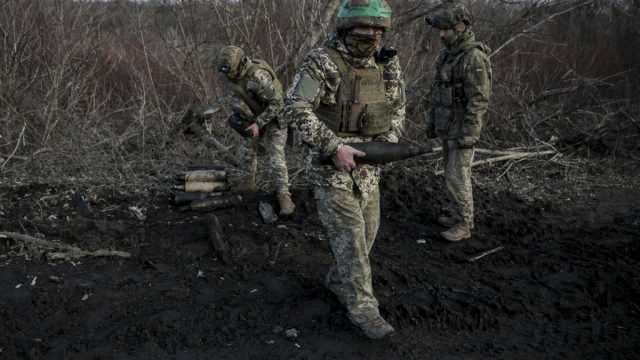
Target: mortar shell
202, 187
203, 176
213, 204
182, 198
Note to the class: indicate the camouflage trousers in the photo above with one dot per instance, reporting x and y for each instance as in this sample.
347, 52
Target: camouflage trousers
351, 222
273, 141
457, 174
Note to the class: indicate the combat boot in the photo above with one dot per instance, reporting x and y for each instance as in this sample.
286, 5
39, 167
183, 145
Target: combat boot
373, 326
287, 207
458, 232
447, 221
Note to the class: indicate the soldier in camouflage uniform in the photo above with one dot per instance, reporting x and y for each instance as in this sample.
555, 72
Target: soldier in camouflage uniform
345, 92
257, 101
458, 108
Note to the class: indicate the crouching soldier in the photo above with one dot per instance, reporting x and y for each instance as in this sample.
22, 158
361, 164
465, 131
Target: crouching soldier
257, 101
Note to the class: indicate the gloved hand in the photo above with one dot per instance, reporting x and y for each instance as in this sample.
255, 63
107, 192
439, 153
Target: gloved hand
239, 125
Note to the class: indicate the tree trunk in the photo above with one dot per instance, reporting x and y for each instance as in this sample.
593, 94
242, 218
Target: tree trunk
316, 32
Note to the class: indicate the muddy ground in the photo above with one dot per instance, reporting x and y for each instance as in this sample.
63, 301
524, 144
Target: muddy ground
566, 285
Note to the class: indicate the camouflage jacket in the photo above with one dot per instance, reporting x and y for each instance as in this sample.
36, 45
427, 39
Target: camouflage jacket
321, 140
460, 111
260, 85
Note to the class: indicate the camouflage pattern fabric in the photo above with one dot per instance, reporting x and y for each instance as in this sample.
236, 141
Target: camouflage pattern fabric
273, 142
351, 222
300, 110
260, 85
466, 63
348, 202
458, 180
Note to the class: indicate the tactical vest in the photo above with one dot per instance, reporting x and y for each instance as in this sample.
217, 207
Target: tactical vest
361, 107
239, 86
448, 100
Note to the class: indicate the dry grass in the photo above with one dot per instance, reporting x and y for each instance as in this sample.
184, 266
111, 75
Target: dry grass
96, 90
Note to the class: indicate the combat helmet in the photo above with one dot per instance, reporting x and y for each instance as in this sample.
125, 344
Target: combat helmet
369, 13
448, 14
229, 60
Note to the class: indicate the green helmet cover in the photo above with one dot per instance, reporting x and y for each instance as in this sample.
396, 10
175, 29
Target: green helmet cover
366, 13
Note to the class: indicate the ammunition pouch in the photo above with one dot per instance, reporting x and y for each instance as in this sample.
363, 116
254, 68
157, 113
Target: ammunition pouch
448, 100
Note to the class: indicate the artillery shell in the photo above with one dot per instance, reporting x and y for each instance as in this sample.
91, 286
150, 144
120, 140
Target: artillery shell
202, 176
202, 187
213, 204
379, 153
182, 198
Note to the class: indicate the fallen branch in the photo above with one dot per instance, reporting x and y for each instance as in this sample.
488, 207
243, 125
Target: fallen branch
485, 151
497, 152
485, 253
59, 251
513, 156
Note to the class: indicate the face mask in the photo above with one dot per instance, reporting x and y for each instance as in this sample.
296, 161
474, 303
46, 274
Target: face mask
449, 38
362, 46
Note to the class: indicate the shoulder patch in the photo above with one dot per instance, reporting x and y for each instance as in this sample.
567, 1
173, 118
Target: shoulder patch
306, 87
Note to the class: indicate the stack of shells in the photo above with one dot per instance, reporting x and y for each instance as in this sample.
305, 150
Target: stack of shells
204, 189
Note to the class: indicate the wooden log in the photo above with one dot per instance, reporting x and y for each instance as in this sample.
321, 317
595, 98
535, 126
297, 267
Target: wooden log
58, 250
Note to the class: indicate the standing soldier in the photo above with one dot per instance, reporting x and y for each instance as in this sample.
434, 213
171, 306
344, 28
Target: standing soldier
350, 91
257, 102
458, 108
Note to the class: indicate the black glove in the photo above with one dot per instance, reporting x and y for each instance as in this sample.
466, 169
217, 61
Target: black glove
239, 125
385, 55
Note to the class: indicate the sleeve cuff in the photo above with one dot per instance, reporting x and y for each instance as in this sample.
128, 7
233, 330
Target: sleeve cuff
333, 146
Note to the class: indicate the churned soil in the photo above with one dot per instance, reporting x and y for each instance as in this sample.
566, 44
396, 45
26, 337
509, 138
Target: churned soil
565, 286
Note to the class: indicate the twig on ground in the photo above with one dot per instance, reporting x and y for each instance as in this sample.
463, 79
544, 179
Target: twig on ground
59, 251
485, 253
514, 156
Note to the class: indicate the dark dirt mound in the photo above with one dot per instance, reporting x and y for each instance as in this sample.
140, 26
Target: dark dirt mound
565, 286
